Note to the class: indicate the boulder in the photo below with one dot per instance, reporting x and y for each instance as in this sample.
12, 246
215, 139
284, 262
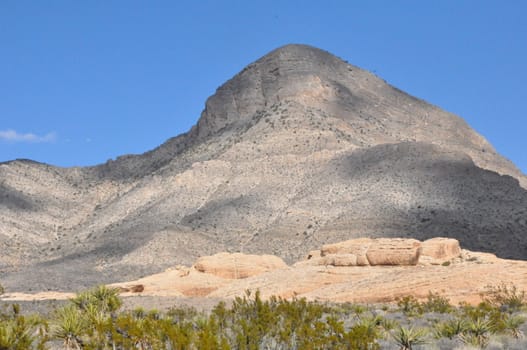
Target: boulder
394, 251
339, 260
438, 250
371, 251
238, 265
357, 247
135, 288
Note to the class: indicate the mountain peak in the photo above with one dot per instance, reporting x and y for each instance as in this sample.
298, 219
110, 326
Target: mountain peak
291, 72
344, 97
297, 150
301, 52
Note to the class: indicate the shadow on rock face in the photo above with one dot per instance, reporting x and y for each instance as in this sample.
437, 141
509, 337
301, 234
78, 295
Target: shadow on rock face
422, 191
12, 199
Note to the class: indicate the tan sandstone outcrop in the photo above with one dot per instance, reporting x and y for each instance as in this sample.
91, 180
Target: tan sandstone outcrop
238, 265
367, 251
438, 250
467, 275
335, 253
395, 252
385, 252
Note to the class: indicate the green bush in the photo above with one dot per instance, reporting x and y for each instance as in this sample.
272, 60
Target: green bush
93, 320
406, 338
436, 303
450, 328
506, 297
410, 306
477, 333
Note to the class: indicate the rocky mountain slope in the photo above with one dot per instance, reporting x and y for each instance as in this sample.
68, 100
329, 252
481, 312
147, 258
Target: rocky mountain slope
297, 150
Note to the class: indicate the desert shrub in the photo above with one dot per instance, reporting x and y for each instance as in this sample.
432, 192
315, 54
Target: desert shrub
133, 331
362, 337
70, 326
19, 332
180, 314
506, 297
477, 333
406, 338
450, 328
436, 303
252, 320
94, 320
511, 325
176, 335
103, 298
410, 306
481, 311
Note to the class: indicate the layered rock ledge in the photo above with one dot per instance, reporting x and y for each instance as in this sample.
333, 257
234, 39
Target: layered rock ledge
360, 270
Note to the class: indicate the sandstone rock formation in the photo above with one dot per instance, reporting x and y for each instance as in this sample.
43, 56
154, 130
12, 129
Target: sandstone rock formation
464, 278
237, 265
298, 150
385, 252
439, 250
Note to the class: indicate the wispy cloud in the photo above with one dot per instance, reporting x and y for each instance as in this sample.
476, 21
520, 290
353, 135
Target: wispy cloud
14, 136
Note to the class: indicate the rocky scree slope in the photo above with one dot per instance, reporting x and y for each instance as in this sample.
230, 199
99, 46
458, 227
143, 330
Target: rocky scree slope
297, 150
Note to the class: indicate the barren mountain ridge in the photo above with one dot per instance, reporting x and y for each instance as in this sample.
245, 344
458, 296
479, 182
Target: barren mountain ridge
298, 150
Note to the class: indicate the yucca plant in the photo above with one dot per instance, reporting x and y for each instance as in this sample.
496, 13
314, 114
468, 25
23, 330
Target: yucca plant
512, 323
406, 338
19, 332
69, 326
450, 328
477, 333
99, 328
7, 335
106, 299
375, 325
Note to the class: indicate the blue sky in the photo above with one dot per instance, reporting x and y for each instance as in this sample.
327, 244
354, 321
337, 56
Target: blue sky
85, 81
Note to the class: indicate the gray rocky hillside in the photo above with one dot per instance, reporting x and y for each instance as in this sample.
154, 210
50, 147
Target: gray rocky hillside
297, 150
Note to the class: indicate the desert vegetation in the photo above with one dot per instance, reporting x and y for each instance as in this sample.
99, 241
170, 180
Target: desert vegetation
95, 319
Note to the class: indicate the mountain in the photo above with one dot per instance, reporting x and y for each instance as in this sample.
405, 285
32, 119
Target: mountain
297, 150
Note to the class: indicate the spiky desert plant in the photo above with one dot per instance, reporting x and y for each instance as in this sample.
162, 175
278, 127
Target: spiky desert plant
477, 333
388, 324
375, 325
99, 327
408, 337
104, 298
69, 325
19, 332
7, 335
512, 323
450, 328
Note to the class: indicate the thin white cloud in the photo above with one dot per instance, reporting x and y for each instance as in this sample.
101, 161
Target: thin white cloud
13, 136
